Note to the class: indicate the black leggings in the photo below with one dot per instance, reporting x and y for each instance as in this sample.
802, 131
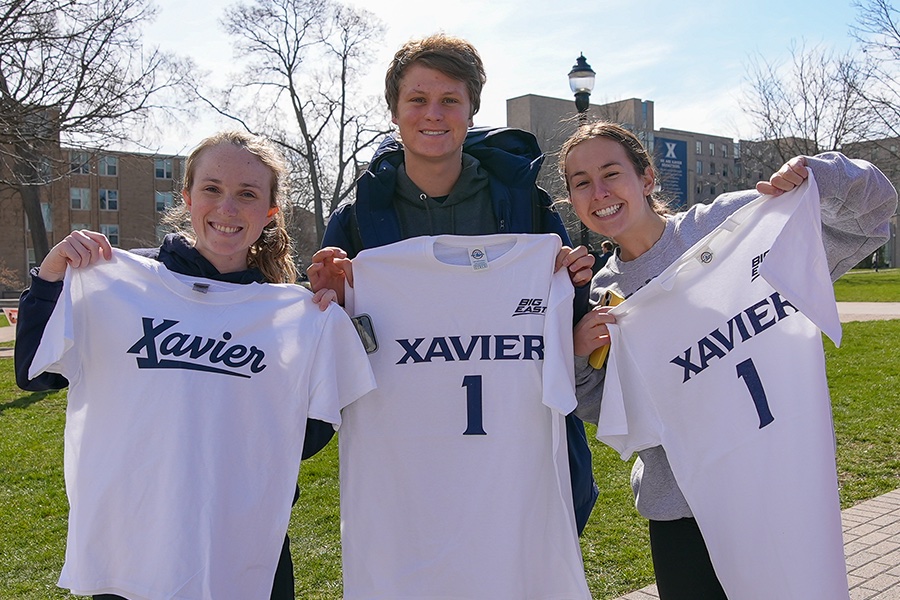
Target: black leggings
681, 562
282, 588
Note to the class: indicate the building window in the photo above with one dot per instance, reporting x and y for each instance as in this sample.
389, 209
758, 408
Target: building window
48, 216
78, 162
725, 150
712, 168
109, 166
699, 167
79, 198
737, 151
712, 190
712, 149
109, 199
725, 170
163, 201
80, 226
699, 148
111, 232
163, 168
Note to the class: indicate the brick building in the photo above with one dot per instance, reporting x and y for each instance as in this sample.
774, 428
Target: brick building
120, 194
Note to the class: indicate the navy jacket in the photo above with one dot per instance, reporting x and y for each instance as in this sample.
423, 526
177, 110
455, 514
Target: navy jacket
512, 159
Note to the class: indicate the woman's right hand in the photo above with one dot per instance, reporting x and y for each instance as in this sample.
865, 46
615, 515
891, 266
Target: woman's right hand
78, 249
329, 269
591, 331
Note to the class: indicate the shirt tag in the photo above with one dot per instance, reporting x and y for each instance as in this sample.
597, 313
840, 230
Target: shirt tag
201, 287
705, 256
478, 258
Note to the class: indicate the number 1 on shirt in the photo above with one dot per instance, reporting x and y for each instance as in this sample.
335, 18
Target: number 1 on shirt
474, 418
747, 371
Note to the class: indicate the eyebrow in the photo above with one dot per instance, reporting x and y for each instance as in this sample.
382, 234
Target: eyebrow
612, 163
219, 181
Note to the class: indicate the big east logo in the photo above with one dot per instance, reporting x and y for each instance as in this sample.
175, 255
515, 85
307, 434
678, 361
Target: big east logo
530, 306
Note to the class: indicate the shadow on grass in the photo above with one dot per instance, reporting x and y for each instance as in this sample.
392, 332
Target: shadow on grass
25, 401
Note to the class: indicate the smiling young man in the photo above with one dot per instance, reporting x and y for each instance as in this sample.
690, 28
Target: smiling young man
439, 175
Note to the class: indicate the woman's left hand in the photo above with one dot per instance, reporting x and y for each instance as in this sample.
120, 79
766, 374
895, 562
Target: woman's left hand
790, 175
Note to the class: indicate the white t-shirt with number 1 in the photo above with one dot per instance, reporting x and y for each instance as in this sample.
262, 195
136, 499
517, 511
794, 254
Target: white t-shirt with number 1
719, 359
454, 472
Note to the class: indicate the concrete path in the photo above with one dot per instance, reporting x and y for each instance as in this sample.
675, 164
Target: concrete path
871, 547
868, 311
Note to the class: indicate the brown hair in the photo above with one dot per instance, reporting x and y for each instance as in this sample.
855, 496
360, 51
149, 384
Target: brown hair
271, 253
454, 57
634, 149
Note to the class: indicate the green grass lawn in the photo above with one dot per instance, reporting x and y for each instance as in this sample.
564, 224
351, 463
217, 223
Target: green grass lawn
864, 285
864, 376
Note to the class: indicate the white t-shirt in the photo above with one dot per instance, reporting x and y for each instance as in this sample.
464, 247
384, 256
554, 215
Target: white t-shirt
186, 415
454, 472
728, 375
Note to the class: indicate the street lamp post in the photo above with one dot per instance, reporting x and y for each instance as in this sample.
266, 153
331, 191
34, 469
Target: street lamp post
581, 81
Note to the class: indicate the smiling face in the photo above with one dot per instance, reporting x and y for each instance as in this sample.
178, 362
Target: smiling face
607, 192
230, 201
433, 113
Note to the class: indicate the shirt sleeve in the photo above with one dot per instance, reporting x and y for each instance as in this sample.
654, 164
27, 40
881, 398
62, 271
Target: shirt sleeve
558, 369
857, 202
628, 420
796, 264
55, 352
341, 372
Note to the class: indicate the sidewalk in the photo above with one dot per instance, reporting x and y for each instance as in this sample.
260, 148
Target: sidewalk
7, 334
871, 547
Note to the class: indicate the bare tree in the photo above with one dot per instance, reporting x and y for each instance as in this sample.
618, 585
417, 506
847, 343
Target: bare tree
877, 29
76, 70
811, 105
301, 63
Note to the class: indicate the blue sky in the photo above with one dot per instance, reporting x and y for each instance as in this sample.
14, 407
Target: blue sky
690, 58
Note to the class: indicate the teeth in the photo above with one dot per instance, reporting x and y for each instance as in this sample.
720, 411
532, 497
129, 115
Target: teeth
433, 132
605, 212
225, 228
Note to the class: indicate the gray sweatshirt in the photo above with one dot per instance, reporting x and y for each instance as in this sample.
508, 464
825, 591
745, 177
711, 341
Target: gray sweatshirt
467, 210
857, 201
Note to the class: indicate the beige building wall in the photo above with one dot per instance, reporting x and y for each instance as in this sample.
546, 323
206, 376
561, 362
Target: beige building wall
552, 120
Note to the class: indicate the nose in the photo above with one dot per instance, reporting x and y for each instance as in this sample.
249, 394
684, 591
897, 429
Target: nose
228, 205
434, 112
601, 191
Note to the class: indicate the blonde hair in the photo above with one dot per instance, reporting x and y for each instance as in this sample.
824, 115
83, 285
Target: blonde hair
271, 253
634, 149
454, 57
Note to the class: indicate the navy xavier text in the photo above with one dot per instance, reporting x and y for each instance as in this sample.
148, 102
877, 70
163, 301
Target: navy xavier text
476, 347
191, 349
